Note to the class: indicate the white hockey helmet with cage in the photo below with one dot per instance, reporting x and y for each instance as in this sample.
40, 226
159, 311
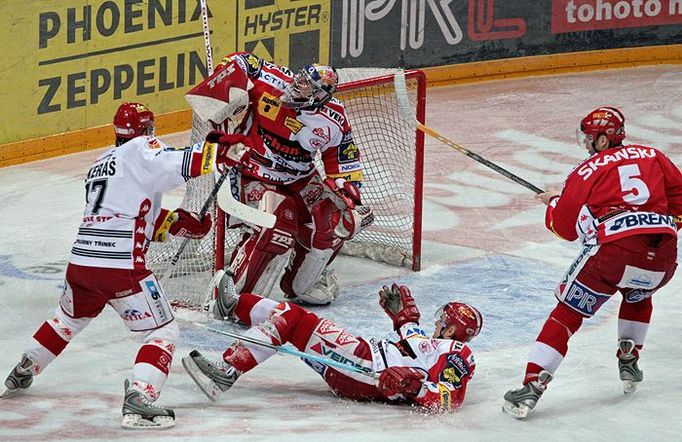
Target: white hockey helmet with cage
311, 87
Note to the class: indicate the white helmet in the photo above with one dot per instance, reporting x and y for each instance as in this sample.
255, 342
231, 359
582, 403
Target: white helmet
311, 87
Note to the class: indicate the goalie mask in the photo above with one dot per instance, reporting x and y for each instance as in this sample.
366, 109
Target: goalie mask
312, 87
607, 121
222, 99
133, 120
461, 321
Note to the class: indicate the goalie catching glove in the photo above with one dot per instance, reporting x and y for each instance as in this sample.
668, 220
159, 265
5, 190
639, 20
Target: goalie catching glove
354, 216
398, 303
406, 381
180, 222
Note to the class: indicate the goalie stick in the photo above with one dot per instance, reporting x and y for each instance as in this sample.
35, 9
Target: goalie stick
408, 116
286, 349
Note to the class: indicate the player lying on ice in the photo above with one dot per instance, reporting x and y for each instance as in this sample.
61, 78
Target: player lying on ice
431, 372
291, 117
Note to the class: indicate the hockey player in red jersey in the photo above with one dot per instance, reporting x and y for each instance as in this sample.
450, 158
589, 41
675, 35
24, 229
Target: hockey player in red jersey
431, 372
123, 214
623, 204
291, 117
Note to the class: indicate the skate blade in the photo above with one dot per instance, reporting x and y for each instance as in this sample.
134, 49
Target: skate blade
516, 411
206, 385
137, 422
12, 392
629, 387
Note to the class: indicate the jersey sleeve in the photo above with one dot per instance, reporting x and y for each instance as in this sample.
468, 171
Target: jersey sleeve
168, 167
343, 160
673, 184
562, 214
446, 391
250, 63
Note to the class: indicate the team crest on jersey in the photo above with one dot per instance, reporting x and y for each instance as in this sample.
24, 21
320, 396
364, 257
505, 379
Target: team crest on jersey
348, 153
253, 64
293, 124
268, 106
455, 369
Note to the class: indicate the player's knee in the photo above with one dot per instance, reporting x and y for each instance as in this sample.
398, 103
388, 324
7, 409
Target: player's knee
571, 319
168, 334
64, 321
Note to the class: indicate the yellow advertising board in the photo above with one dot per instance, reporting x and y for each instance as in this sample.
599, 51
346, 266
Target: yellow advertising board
68, 65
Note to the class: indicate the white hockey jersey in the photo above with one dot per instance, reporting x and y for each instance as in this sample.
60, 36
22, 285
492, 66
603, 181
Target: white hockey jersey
123, 191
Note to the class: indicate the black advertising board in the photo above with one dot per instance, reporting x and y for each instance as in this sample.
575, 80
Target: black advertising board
414, 33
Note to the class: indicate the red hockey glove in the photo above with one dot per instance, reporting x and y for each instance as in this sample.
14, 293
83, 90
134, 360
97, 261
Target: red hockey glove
399, 305
354, 216
233, 149
343, 193
353, 221
188, 225
400, 380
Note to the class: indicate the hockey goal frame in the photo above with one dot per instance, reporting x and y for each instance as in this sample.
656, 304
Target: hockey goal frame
420, 113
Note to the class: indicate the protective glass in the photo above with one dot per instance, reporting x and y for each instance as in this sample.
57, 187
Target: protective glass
582, 137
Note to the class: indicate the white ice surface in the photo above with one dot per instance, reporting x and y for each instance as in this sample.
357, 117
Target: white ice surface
484, 242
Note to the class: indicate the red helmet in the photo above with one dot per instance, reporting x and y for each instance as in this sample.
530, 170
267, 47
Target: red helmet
467, 319
132, 120
608, 121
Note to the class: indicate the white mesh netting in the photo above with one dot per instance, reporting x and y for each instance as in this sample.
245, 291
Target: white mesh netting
390, 157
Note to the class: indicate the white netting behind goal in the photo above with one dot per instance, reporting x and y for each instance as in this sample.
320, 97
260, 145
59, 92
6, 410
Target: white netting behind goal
392, 156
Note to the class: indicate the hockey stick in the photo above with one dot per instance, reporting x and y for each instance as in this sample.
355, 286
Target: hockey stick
202, 213
207, 36
285, 349
229, 204
408, 116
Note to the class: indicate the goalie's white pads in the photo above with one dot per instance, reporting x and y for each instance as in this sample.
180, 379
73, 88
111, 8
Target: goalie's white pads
354, 221
323, 292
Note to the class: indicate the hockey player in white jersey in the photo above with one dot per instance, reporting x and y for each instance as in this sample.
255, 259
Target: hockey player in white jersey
291, 117
430, 372
123, 214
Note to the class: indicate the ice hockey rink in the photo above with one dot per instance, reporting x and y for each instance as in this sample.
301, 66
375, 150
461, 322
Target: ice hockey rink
484, 243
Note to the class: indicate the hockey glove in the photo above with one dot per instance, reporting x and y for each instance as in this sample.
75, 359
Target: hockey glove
400, 380
233, 149
344, 194
188, 225
399, 305
354, 216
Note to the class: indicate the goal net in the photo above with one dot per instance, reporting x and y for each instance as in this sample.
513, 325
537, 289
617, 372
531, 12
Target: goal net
392, 158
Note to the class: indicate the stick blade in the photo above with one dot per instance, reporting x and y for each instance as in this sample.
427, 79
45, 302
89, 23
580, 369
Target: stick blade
248, 214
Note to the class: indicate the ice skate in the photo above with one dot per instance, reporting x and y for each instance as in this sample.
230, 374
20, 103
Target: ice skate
140, 413
630, 373
212, 377
226, 300
20, 378
519, 402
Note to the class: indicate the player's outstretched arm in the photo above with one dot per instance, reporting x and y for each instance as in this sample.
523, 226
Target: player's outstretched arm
399, 305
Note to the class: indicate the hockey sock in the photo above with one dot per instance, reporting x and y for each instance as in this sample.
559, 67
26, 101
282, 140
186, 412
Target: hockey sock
52, 338
633, 322
551, 344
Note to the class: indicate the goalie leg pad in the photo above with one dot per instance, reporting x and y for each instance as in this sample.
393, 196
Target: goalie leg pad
304, 281
259, 261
